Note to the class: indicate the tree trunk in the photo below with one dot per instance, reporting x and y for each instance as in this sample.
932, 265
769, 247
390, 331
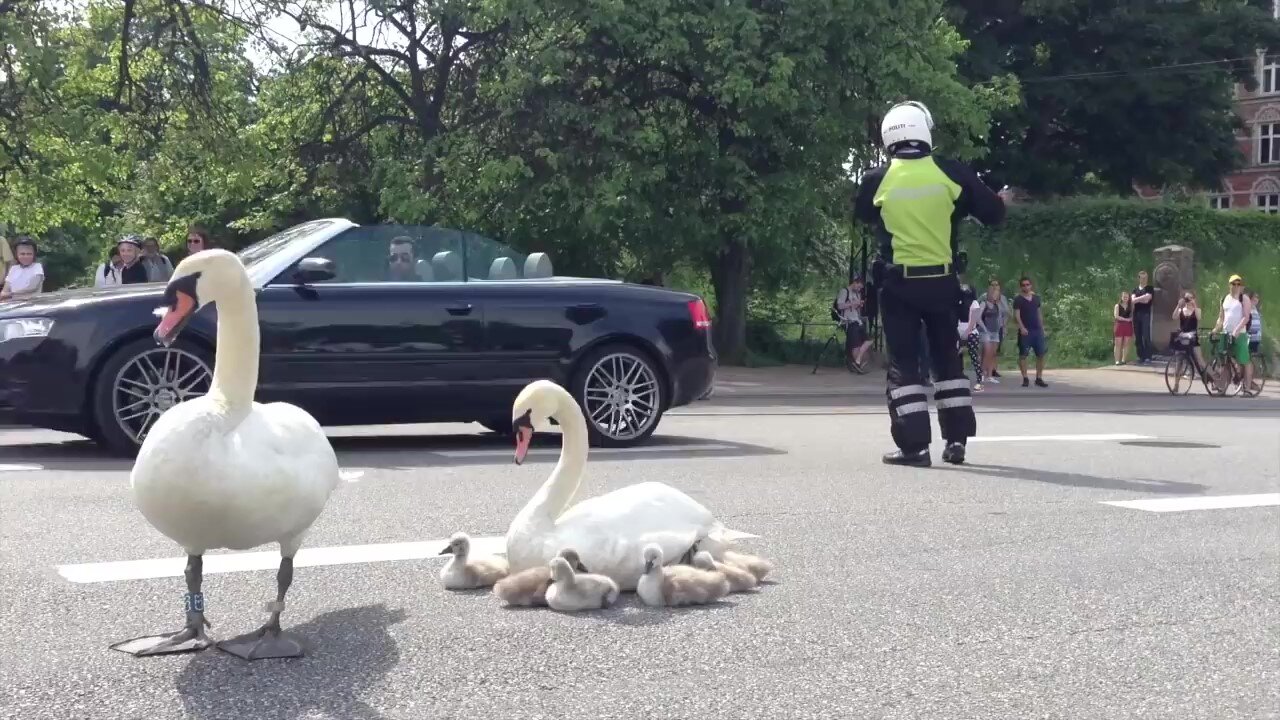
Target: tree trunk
729, 274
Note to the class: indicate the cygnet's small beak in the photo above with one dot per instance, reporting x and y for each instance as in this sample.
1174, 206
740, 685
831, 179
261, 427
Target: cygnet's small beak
448, 550
648, 566
581, 568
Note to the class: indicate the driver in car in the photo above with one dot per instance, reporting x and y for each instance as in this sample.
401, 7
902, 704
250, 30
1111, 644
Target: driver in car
401, 261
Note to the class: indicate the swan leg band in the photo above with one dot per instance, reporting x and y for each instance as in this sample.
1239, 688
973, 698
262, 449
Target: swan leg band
275, 607
194, 602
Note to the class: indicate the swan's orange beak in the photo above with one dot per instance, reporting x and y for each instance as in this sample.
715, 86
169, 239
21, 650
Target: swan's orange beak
524, 436
175, 318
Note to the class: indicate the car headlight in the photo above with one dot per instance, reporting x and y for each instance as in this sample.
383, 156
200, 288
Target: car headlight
25, 328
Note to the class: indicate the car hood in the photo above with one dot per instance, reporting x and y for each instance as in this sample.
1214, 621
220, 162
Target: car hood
52, 302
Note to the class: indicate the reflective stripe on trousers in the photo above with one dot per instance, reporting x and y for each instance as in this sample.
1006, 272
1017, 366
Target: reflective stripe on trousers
907, 304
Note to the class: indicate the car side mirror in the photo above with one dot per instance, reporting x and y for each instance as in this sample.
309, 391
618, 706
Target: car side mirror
315, 269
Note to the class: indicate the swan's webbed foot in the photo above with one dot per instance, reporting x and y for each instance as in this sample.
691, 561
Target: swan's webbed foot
191, 638
687, 558
269, 641
266, 643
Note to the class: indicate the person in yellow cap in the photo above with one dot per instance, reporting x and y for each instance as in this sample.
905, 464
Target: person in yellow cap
1233, 323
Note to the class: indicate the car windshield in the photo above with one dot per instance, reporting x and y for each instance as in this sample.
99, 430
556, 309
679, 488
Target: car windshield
270, 245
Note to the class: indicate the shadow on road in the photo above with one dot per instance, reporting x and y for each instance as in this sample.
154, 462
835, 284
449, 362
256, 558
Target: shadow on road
348, 652
1080, 480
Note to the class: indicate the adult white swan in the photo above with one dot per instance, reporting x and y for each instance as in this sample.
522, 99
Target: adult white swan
222, 471
609, 531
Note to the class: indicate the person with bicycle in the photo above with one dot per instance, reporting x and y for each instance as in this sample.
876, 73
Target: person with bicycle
1233, 323
1188, 315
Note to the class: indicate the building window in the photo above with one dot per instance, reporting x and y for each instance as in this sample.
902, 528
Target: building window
1219, 202
1269, 203
1268, 143
1270, 74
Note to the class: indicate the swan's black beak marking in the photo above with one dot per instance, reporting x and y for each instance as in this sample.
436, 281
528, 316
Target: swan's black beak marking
522, 428
181, 300
448, 550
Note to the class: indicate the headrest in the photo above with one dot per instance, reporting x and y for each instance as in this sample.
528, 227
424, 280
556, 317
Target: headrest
503, 268
537, 265
447, 266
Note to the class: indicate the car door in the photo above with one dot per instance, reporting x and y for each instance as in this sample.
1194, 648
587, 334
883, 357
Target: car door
368, 345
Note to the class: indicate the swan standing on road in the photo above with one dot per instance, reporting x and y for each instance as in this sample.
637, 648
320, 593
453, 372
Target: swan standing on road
608, 531
221, 471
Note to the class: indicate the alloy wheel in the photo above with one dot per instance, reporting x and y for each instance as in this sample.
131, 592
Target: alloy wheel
621, 396
153, 382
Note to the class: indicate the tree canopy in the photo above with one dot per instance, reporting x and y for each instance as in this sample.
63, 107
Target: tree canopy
627, 138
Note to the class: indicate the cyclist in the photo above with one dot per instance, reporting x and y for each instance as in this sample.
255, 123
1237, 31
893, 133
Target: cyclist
1233, 323
914, 204
1188, 316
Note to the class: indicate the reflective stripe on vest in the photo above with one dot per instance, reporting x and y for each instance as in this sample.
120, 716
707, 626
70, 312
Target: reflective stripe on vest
916, 200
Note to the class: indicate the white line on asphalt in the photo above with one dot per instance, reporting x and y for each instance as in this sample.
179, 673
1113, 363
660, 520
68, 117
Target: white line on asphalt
20, 468
553, 452
1057, 438
1183, 504
307, 557
351, 475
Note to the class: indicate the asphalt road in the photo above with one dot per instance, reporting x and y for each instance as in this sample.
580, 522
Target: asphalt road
1003, 589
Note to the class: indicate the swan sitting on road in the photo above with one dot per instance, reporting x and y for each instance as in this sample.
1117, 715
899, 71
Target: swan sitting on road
221, 471
608, 531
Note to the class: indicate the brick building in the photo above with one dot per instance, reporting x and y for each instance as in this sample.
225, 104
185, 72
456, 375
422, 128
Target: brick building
1257, 185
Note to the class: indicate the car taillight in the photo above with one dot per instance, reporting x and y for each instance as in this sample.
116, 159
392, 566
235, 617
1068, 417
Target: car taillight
698, 314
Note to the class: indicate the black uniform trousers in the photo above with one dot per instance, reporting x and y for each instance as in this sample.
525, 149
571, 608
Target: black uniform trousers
906, 304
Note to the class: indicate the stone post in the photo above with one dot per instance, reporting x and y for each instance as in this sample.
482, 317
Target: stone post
1174, 273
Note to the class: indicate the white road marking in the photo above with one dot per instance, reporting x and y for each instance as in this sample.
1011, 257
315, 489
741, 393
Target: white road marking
307, 557
1215, 502
351, 476
555, 452
1058, 438
20, 468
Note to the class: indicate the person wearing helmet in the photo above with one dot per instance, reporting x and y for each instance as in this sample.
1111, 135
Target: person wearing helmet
132, 269
914, 204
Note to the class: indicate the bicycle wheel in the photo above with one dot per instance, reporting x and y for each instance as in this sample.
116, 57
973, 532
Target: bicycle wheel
1260, 372
1178, 375
1216, 368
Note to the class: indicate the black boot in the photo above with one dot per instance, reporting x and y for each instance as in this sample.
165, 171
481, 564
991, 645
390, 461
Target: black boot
953, 453
919, 458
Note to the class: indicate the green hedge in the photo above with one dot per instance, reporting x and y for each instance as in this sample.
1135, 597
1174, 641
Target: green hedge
1081, 253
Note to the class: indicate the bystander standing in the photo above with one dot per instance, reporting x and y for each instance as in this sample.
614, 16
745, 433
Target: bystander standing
26, 276
1031, 336
1143, 295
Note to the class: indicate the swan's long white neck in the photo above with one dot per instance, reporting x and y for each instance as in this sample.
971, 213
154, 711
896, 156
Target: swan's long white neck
235, 370
562, 485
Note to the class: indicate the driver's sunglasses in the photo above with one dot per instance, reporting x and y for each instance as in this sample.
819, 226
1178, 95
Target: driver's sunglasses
401, 257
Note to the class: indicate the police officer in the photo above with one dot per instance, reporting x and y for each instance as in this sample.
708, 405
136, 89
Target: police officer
914, 204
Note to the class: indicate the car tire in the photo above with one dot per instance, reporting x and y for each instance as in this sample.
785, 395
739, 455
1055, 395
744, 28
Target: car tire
643, 385
121, 380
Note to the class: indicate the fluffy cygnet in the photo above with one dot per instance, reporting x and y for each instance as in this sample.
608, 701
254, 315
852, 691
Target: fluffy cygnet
739, 579
571, 592
754, 564
464, 573
678, 584
529, 587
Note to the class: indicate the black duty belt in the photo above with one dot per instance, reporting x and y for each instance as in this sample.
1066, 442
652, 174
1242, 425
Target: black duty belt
926, 271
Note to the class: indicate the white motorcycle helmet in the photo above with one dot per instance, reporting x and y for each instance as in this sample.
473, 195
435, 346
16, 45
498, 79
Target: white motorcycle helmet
907, 122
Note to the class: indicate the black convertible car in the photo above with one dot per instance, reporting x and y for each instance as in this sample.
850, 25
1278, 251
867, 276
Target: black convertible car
366, 325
